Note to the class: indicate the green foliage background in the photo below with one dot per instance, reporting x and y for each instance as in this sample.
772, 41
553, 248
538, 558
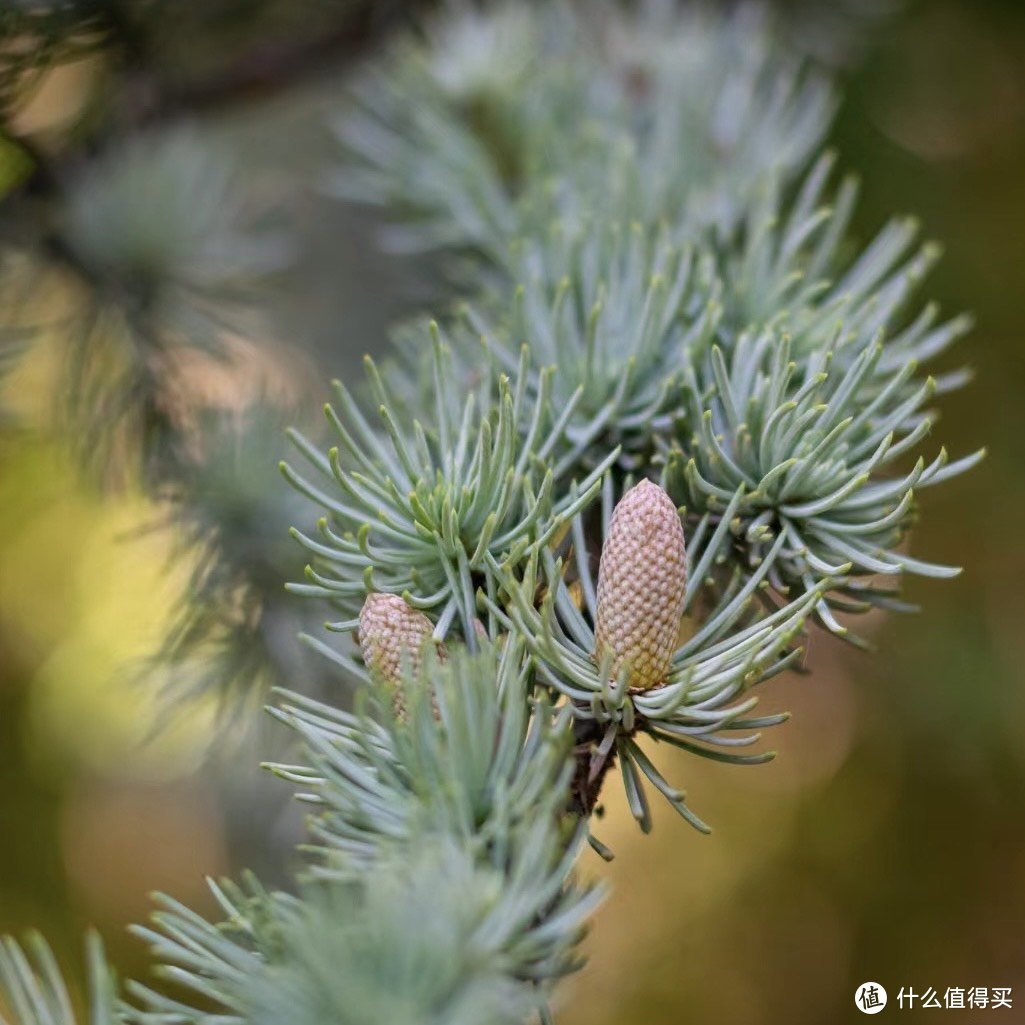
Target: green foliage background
886, 841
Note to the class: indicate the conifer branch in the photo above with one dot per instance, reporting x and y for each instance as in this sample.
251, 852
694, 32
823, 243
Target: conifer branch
581, 517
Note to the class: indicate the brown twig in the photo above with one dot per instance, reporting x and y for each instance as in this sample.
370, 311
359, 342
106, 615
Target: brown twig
595, 753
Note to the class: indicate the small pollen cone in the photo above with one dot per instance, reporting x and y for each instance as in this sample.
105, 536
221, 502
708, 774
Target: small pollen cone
392, 634
642, 578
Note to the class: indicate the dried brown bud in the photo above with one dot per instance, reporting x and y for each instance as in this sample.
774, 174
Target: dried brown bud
392, 634
641, 583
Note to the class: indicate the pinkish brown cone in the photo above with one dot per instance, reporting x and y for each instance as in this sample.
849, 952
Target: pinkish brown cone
642, 579
391, 635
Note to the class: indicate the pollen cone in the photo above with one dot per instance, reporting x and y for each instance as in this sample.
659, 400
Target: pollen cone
641, 582
391, 635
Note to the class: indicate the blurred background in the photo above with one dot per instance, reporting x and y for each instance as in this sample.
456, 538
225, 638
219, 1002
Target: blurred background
885, 843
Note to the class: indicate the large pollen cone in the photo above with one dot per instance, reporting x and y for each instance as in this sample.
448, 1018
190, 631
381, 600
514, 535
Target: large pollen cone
642, 579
